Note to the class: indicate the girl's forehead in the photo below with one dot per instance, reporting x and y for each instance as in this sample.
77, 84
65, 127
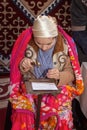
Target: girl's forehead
42, 39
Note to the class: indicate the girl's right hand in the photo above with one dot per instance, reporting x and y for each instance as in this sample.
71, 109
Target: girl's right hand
25, 65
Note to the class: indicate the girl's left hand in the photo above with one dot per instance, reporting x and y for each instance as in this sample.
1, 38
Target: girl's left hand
53, 73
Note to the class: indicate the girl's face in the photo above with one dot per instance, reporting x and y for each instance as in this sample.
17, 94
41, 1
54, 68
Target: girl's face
44, 43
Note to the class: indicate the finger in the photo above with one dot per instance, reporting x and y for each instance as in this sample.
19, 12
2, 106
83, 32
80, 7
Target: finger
54, 75
27, 64
53, 72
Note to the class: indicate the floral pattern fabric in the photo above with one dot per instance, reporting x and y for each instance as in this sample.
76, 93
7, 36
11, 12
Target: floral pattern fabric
55, 113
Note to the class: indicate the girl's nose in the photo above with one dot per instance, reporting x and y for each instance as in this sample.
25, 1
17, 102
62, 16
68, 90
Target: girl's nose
44, 47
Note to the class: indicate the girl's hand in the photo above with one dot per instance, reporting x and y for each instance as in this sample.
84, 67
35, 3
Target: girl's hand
53, 74
25, 65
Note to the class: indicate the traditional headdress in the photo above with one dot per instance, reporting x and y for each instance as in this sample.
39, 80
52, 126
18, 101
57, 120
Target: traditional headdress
45, 26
